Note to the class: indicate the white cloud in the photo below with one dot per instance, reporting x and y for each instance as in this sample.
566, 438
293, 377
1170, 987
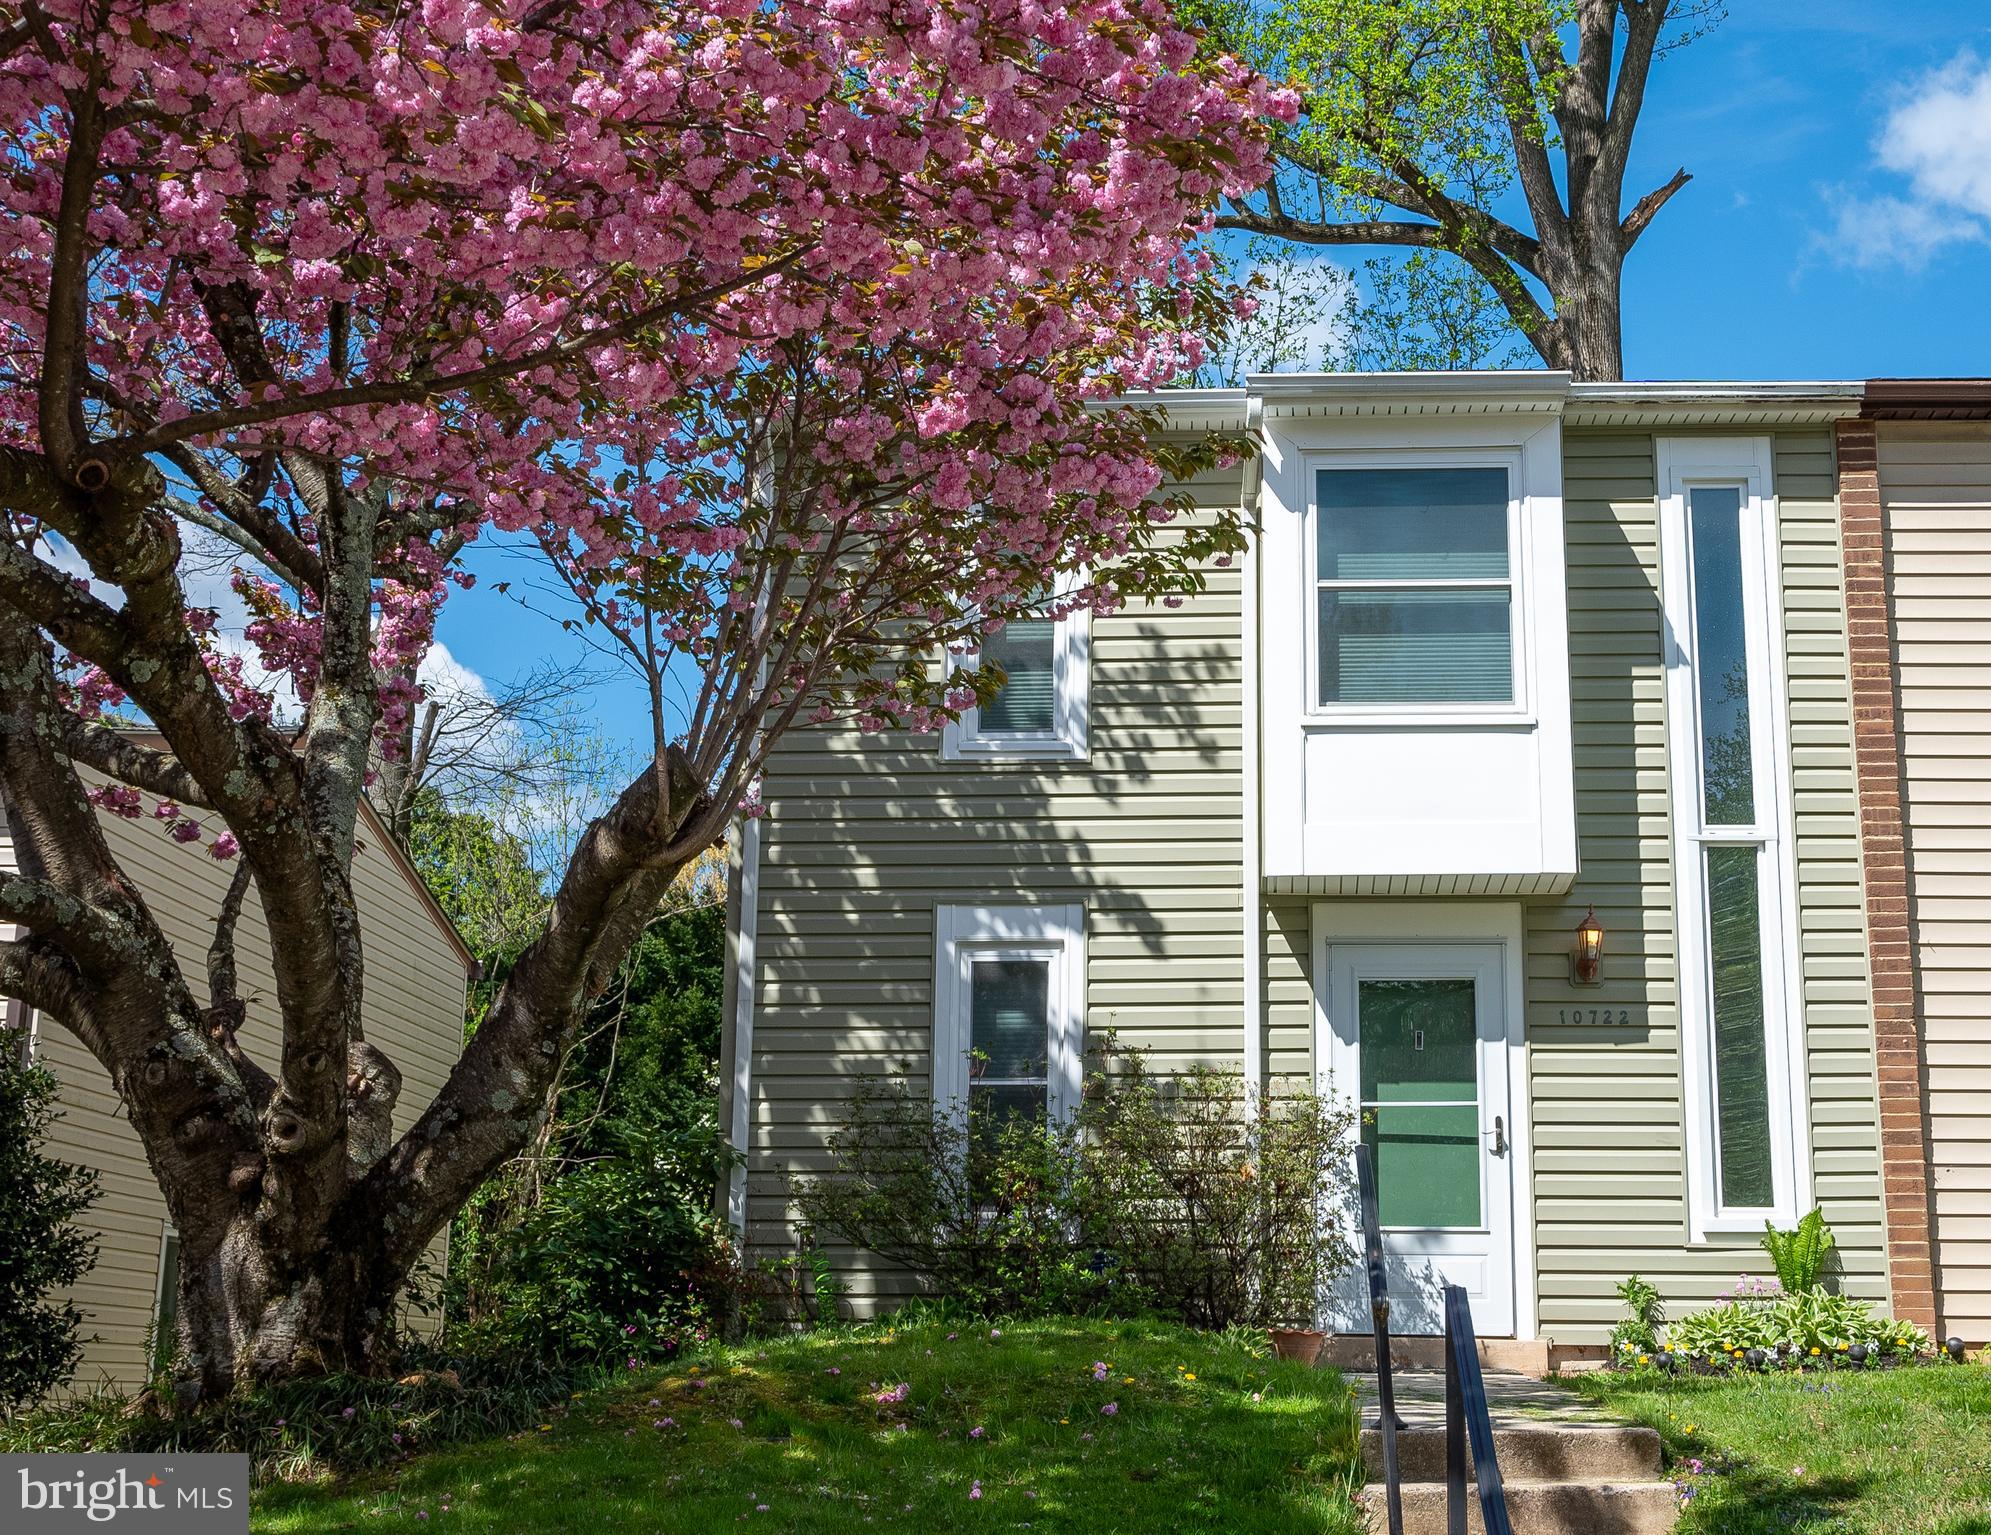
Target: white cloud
1873, 232
1938, 136
447, 679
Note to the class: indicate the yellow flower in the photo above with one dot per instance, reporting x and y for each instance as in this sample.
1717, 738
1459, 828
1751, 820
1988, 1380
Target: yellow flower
1064, 1420
546, 1428
1126, 1380
1814, 1349
1643, 1360
1189, 1377
1690, 1428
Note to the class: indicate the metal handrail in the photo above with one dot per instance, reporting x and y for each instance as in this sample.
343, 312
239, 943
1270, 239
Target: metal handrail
1379, 1314
1466, 1414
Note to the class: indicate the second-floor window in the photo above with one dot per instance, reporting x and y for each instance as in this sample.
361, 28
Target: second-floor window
1414, 595
1040, 710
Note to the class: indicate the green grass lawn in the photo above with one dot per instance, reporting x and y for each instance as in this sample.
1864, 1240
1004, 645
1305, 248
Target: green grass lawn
1879, 1451
998, 1432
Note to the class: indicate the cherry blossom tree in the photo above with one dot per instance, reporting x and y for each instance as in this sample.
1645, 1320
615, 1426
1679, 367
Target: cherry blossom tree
783, 333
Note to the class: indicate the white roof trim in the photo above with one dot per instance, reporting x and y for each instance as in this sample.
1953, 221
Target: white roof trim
1522, 391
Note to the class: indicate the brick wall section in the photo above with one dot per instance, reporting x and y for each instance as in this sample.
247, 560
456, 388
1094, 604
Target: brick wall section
1897, 1035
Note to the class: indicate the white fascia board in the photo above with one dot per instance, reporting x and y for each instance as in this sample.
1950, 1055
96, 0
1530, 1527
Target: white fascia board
1691, 403
1411, 394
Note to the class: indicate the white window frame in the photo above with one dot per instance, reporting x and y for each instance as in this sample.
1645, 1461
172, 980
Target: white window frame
1745, 464
1519, 708
964, 934
964, 740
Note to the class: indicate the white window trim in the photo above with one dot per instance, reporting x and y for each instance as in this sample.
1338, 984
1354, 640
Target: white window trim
1520, 709
1744, 462
962, 934
964, 740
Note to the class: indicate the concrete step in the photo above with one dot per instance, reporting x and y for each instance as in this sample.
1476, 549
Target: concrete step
1530, 1453
1540, 1508
1417, 1351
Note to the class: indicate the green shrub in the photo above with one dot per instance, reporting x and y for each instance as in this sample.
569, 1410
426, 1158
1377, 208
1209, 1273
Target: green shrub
1799, 1255
40, 1250
329, 1423
1638, 1333
621, 1257
1163, 1197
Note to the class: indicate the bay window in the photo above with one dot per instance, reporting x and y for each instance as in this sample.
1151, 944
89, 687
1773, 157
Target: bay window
1413, 579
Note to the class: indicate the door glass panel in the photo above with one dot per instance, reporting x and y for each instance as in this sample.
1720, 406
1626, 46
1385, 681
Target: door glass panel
1741, 1047
1419, 1041
1419, 1055
1427, 1163
1721, 656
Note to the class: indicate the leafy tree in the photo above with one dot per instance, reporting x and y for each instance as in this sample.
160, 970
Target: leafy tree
1308, 313
1421, 118
40, 1250
1428, 313
776, 331
482, 877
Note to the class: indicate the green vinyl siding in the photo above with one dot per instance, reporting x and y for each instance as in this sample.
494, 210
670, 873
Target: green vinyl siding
1604, 1062
866, 834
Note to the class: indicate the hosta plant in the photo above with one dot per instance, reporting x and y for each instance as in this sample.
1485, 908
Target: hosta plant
1796, 1328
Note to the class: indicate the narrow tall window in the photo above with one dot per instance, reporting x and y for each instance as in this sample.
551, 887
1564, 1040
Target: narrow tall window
1413, 586
1739, 1010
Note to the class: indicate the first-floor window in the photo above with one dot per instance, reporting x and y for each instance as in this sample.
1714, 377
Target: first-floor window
1009, 1012
1741, 1016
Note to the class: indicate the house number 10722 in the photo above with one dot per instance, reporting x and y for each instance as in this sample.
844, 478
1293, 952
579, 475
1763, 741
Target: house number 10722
1621, 1016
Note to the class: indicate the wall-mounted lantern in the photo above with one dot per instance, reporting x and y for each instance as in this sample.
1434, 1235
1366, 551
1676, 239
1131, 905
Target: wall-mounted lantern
1586, 960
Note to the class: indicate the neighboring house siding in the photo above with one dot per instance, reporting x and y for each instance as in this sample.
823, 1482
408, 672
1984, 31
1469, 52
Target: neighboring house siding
415, 983
1609, 1177
1935, 483
866, 834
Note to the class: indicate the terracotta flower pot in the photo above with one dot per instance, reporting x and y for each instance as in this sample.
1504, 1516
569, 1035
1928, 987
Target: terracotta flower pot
1301, 1343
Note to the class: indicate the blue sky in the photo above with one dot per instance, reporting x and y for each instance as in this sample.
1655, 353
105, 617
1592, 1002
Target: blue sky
1839, 220
1838, 226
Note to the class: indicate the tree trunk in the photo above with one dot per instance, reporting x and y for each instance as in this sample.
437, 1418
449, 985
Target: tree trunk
249, 1316
1588, 313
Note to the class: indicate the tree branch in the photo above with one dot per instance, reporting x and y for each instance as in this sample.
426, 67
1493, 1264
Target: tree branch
118, 757
424, 387
225, 1008
1647, 208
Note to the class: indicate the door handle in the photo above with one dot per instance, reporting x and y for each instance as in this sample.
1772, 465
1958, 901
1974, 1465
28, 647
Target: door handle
1499, 1136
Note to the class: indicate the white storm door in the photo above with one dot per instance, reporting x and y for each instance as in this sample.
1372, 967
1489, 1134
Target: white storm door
1417, 1035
